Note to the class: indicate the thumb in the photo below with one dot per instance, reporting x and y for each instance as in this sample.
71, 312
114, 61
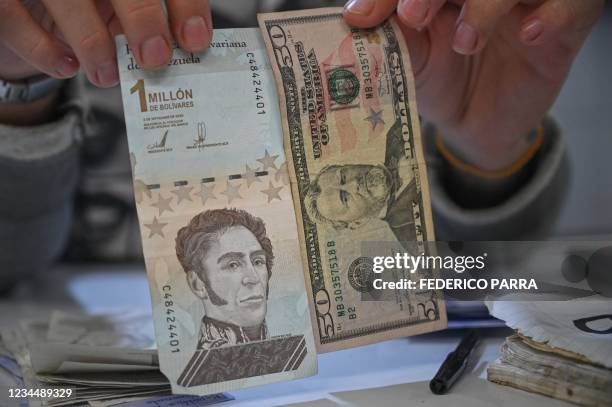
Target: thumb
368, 13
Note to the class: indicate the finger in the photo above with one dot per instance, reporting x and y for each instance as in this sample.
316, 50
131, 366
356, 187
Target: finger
108, 16
418, 44
437, 68
477, 21
191, 23
428, 48
86, 33
418, 13
557, 18
147, 31
368, 13
114, 27
24, 37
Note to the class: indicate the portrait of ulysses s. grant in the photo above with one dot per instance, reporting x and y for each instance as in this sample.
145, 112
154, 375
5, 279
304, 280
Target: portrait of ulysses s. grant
228, 259
349, 196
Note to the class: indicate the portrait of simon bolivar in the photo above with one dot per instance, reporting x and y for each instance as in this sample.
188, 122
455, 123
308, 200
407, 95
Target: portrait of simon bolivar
227, 258
349, 196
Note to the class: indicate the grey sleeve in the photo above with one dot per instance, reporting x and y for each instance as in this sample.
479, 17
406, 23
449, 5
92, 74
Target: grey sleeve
39, 171
524, 208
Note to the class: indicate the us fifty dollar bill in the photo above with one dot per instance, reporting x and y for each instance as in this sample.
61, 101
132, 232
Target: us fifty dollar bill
353, 144
218, 227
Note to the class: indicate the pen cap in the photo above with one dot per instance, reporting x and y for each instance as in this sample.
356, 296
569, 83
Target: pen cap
437, 386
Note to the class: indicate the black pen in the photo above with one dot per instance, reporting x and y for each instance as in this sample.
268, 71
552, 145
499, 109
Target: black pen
454, 364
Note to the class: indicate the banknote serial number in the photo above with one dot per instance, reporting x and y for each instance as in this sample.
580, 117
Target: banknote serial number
55, 393
364, 62
171, 326
257, 83
336, 283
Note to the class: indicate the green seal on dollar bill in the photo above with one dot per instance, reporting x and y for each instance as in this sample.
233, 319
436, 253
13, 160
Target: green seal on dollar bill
343, 86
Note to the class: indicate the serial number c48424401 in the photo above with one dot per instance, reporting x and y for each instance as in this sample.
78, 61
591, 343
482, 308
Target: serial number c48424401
257, 83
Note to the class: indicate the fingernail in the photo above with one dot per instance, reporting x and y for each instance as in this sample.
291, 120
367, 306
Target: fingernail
107, 74
465, 39
68, 67
532, 30
414, 10
360, 7
155, 51
195, 33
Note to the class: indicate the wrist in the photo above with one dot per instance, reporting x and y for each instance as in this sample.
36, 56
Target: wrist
490, 156
476, 188
13, 69
30, 101
18, 75
495, 163
29, 114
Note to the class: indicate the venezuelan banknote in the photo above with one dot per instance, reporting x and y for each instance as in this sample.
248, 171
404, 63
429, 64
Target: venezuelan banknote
218, 227
354, 150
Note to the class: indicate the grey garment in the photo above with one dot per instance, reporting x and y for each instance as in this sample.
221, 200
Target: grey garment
39, 171
525, 207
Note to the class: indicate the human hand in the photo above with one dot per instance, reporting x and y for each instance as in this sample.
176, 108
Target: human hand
56, 37
486, 71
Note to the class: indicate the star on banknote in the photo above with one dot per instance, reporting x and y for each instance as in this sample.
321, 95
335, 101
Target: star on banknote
207, 193
282, 175
375, 118
163, 204
232, 192
250, 176
183, 193
156, 228
272, 192
141, 190
268, 161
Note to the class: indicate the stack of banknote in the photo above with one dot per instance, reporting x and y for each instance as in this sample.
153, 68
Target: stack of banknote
561, 349
101, 361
